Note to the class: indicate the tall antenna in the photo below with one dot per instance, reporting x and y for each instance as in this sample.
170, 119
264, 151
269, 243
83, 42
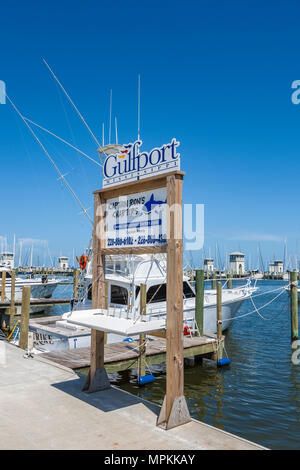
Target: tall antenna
116, 127
102, 134
62, 140
110, 109
73, 104
51, 160
139, 105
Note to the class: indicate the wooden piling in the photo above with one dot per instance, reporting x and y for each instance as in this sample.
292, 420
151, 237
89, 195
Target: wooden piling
25, 313
213, 282
219, 319
229, 281
294, 305
12, 309
142, 339
97, 378
75, 288
199, 311
3, 283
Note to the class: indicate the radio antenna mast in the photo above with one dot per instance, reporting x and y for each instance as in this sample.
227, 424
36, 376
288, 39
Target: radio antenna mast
103, 134
73, 104
139, 105
51, 160
116, 127
110, 108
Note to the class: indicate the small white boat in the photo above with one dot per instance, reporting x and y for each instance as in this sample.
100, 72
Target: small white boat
40, 288
123, 319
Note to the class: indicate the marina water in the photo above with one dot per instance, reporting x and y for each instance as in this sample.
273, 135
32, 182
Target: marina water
258, 396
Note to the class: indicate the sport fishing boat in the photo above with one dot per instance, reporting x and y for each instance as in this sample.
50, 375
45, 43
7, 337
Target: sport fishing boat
122, 319
40, 288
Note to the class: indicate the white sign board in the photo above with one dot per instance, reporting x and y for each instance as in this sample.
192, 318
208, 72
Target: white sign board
137, 220
130, 164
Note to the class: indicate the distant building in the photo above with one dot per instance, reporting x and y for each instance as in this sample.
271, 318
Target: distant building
271, 268
63, 263
237, 263
7, 259
208, 265
278, 266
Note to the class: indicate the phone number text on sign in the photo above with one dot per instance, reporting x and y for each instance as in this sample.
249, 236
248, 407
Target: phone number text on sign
137, 220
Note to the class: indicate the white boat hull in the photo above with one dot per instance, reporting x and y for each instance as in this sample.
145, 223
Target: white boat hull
38, 290
80, 337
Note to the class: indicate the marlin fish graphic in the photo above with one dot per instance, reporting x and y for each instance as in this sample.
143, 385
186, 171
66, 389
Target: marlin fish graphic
149, 205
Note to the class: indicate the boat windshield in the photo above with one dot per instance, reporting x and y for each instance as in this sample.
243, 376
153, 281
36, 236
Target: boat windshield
158, 293
8, 276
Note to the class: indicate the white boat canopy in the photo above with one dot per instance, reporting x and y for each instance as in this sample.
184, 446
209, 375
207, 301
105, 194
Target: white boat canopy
99, 319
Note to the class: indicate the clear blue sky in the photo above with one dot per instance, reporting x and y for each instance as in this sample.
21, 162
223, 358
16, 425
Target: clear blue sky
215, 75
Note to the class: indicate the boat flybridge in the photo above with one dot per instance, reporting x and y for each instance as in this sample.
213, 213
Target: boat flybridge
40, 287
123, 318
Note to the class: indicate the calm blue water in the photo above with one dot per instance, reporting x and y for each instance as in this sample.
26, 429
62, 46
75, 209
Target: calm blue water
258, 396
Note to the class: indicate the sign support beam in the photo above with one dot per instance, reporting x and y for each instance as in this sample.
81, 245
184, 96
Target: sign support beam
97, 377
174, 410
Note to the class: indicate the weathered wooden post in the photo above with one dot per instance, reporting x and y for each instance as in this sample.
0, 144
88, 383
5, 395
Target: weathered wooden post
229, 281
75, 286
294, 305
174, 411
52, 271
3, 283
199, 311
219, 353
142, 339
97, 378
25, 313
213, 282
12, 309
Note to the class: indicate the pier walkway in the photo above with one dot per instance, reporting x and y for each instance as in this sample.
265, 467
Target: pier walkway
44, 408
123, 355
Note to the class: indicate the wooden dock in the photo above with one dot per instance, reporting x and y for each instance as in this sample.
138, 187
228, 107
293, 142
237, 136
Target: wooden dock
36, 302
124, 355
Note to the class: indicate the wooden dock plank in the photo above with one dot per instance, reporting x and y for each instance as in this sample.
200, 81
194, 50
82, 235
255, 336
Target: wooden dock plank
118, 356
37, 302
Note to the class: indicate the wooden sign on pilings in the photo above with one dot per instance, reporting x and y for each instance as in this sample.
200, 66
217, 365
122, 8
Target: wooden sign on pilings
174, 410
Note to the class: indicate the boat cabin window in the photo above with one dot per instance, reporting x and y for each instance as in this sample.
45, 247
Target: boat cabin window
187, 291
89, 293
157, 293
118, 295
8, 275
